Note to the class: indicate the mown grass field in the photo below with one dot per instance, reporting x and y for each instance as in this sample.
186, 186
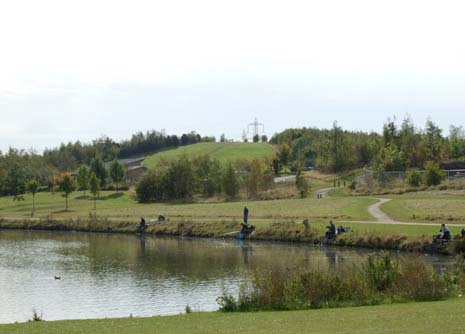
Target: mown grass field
121, 206
224, 152
344, 210
427, 207
422, 318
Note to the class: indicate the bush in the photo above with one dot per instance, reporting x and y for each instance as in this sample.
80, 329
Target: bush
417, 281
413, 178
380, 271
36, 316
379, 279
150, 187
433, 174
227, 302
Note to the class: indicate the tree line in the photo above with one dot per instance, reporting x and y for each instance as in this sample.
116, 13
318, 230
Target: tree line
19, 166
184, 178
398, 148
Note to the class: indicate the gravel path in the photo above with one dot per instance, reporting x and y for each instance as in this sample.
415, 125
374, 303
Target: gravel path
380, 215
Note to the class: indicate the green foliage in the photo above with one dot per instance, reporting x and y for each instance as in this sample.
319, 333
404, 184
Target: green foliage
433, 174
94, 185
116, 172
179, 180
276, 165
230, 182
150, 186
14, 181
32, 186
456, 143
65, 183
380, 271
391, 159
98, 168
396, 149
82, 178
433, 142
256, 138
227, 302
413, 178
208, 175
284, 154
258, 178
337, 152
380, 279
301, 182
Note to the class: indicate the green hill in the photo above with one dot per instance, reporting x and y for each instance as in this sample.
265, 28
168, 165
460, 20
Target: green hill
222, 151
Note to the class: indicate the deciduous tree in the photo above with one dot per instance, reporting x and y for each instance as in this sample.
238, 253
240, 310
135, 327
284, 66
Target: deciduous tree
65, 183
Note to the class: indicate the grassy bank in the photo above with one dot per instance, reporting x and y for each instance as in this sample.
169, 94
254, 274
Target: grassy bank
224, 152
426, 318
275, 219
367, 235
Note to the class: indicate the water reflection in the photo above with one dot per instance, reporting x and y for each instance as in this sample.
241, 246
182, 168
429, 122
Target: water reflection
109, 275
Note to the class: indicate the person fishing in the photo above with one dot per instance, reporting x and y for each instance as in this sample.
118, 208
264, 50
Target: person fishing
445, 232
246, 228
331, 232
142, 225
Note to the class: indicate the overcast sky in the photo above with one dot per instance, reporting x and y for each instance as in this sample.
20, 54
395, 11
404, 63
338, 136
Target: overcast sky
79, 69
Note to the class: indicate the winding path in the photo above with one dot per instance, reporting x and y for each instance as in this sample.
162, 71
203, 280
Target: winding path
380, 215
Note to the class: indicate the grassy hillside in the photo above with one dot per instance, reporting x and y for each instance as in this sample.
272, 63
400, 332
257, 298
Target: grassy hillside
221, 151
425, 318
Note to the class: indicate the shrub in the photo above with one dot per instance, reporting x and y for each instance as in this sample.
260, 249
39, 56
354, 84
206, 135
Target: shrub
417, 281
413, 178
379, 279
150, 187
227, 302
433, 174
36, 316
380, 271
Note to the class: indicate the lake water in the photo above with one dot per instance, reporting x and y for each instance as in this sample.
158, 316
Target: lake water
112, 275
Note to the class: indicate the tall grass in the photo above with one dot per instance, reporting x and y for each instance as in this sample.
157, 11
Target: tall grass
380, 279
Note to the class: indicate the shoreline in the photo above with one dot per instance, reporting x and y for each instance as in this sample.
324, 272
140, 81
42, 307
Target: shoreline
286, 231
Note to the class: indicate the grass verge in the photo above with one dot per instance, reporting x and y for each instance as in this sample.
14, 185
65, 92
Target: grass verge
425, 318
